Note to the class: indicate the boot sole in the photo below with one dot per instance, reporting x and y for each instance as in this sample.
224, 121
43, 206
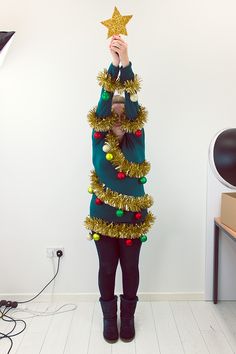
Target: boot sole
110, 340
127, 339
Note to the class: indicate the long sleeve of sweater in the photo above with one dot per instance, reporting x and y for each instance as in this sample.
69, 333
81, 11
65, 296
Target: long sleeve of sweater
131, 108
104, 107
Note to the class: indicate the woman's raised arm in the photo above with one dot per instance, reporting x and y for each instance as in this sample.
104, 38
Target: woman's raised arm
107, 80
127, 78
105, 101
131, 106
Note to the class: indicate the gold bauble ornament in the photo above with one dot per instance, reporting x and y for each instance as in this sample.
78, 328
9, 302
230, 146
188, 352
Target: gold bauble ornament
116, 24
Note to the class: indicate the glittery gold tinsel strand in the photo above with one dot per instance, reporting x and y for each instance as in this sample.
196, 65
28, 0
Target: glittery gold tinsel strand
118, 200
130, 86
127, 125
132, 169
131, 125
100, 123
120, 230
106, 80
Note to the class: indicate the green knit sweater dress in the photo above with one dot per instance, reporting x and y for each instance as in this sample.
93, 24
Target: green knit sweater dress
119, 204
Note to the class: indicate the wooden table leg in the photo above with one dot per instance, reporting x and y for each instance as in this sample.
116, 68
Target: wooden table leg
216, 257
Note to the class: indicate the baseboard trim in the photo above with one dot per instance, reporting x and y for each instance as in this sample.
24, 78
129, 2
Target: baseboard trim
91, 297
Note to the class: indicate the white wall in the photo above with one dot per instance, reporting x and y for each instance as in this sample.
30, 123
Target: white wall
185, 54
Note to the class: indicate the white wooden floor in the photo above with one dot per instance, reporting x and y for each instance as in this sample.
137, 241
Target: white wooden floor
166, 327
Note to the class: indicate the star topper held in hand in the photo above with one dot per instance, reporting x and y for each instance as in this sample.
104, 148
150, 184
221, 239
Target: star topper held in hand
116, 24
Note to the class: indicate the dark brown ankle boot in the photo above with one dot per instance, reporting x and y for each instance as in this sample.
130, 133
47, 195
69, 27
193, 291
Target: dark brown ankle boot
127, 309
110, 329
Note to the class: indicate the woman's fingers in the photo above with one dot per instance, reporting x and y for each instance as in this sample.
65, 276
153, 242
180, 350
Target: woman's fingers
116, 49
118, 38
121, 40
118, 43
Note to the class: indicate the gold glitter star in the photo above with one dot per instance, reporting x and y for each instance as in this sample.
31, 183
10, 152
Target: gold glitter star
116, 24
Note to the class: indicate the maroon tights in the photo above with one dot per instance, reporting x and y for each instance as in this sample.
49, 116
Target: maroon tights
110, 250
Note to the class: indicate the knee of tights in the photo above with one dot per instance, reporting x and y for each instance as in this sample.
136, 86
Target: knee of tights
107, 269
130, 269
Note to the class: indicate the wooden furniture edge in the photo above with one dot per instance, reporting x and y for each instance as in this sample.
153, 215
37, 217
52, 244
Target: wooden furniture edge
224, 227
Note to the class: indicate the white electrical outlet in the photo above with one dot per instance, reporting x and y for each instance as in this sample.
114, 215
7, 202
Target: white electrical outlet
52, 251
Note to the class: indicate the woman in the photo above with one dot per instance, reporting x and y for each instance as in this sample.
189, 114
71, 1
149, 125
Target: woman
118, 217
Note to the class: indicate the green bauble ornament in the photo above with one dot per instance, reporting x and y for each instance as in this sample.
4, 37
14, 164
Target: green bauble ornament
143, 238
119, 212
143, 180
105, 95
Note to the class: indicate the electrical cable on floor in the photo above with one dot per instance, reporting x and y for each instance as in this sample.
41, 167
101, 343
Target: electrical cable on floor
13, 304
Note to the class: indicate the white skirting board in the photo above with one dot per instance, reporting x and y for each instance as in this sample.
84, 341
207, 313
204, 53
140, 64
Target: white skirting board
88, 297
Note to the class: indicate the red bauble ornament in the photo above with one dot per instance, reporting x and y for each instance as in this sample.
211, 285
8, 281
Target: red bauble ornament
128, 242
98, 201
121, 175
138, 133
138, 215
97, 135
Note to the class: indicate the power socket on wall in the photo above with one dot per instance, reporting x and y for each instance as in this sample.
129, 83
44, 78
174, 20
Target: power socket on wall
52, 251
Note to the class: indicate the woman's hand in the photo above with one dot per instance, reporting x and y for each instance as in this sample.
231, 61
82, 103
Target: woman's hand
119, 46
115, 55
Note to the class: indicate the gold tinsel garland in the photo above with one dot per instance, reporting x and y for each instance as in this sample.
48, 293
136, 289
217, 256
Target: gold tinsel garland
120, 230
118, 200
132, 169
127, 125
110, 84
105, 79
130, 86
132, 125
100, 123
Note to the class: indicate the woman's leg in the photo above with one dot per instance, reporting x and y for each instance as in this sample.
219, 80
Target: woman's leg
108, 253
129, 261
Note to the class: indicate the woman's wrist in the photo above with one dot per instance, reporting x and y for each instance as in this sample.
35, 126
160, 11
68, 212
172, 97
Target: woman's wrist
125, 62
115, 63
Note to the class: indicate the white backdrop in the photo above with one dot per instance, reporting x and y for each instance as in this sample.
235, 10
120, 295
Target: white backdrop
185, 53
